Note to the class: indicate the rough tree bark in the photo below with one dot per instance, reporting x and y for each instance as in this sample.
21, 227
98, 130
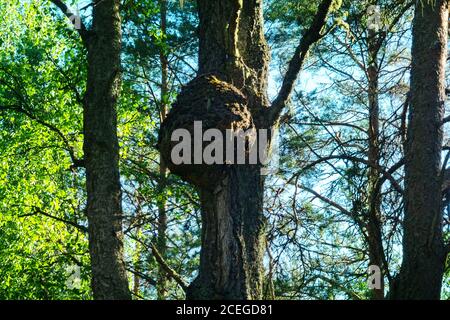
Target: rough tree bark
422, 268
234, 51
101, 150
232, 46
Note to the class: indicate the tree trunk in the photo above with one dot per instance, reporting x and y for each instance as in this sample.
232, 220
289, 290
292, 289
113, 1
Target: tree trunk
232, 238
422, 268
232, 46
104, 212
373, 223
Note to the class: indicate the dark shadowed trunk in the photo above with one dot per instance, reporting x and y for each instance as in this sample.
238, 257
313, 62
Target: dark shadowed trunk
422, 269
109, 279
232, 238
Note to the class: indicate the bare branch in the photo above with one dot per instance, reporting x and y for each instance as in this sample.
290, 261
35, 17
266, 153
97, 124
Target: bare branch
345, 289
310, 37
329, 201
162, 262
83, 31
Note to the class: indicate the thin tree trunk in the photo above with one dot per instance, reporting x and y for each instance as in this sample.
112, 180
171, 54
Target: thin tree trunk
162, 227
104, 212
422, 268
375, 244
138, 247
162, 214
137, 268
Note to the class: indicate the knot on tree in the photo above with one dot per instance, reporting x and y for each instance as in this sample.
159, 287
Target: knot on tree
218, 105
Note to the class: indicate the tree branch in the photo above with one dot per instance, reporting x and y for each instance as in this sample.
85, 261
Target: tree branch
160, 260
37, 210
76, 162
346, 290
385, 174
142, 276
329, 201
82, 31
310, 37
170, 272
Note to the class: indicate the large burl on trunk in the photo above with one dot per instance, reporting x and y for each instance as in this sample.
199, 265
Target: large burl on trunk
216, 105
230, 92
